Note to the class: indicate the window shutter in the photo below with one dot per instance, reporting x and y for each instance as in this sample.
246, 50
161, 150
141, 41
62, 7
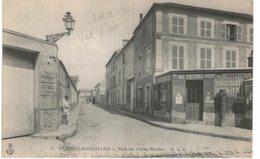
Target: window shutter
223, 31
239, 33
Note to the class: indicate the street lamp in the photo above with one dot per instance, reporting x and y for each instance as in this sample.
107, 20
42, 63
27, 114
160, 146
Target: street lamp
69, 25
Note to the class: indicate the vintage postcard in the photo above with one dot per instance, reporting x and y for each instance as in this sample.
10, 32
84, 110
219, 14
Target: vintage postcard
127, 78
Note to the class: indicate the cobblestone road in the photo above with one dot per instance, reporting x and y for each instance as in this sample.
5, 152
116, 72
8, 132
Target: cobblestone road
105, 133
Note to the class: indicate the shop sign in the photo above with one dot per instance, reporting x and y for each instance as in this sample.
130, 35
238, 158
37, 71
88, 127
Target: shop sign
199, 76
212, 76
230, 85
163, 79
48, 83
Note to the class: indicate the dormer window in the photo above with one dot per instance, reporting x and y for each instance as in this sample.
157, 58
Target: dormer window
231, 31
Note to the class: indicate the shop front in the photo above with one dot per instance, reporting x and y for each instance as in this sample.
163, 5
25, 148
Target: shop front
190, 96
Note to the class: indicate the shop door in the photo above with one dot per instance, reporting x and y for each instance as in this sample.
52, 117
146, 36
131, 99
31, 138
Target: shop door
18, 82
194, 107
132, 96
148, 100
140, 101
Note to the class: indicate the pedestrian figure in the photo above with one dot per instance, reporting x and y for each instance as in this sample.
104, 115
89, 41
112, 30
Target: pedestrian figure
66, 112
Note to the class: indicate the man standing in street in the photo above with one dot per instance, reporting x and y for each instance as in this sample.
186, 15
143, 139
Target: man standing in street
66, 113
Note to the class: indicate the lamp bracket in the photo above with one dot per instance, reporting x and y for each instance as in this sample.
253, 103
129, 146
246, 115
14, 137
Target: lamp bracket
55, 37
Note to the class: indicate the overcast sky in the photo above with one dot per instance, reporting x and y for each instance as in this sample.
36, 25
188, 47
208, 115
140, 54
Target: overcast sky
85, 55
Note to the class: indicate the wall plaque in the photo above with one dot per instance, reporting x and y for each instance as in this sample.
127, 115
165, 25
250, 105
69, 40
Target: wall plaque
48, 83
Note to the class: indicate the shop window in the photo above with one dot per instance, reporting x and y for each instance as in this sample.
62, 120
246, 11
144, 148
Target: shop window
231, 58
123, 96
206, 28
128, 93
118, 97
178, 24
177, 57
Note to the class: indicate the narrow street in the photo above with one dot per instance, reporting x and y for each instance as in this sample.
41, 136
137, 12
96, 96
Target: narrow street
105, 133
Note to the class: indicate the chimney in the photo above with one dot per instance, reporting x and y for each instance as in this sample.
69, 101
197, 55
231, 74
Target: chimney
141, 17
124, 42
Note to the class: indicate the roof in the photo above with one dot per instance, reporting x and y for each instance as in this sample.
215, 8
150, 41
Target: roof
193, 8
65, 70
74, 78
125, 46
114, 54
28, 37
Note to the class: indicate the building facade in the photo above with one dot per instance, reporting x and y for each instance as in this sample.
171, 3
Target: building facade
183, 57
34, 99
190, 40
112, 79
100, 92
120, 77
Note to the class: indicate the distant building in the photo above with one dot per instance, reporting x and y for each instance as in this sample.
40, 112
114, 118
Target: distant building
120, 77
100, 93
86, 94
111, 80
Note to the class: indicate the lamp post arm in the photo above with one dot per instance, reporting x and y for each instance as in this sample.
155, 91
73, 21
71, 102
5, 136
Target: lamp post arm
55, 37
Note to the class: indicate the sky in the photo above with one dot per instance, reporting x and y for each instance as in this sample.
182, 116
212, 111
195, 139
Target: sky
100, 27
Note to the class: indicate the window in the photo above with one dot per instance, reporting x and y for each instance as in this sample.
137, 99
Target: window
123, 74
206, 27
177, 57
118, 97
231, 59
206, 57
119, 77
139, 65
123, 61
113, 81
123, 96
231, 31
148, 60
178, 24
250, 33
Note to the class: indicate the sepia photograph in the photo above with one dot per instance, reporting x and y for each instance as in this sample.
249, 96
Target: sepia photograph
127, 78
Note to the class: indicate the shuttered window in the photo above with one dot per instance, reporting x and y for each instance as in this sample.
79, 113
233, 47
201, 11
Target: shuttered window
223, 31
231, 59
205, 58
177, 57
239, 33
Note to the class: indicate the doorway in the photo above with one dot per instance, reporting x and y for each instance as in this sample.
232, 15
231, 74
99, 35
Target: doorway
194, 107
18, 94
